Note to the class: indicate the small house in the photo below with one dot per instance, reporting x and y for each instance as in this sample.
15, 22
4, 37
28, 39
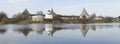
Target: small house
38, 18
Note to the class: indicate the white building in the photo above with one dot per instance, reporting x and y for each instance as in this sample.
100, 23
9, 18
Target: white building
38, 18
98, 18
50, 14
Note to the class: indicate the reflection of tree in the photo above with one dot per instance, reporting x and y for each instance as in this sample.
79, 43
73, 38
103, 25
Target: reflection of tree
25, 31
84, 29
2, 31
104, 26
119, 26
93, 27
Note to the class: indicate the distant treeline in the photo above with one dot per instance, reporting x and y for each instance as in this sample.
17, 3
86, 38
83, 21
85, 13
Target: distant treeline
16, 18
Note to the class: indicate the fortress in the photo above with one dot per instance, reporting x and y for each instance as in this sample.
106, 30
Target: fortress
51, 17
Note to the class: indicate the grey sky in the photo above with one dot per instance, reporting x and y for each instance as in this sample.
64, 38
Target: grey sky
65, 7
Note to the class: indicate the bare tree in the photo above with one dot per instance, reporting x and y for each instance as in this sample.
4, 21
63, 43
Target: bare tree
2, 15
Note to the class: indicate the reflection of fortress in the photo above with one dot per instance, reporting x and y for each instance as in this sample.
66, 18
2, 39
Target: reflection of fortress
25, 31
38, 30
50, 29
84, 29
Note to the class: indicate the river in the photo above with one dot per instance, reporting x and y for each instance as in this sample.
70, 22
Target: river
96, 33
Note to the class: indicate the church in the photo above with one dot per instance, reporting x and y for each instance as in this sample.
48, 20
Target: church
84, 14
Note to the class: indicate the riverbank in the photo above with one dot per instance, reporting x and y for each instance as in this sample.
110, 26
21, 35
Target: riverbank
66, 21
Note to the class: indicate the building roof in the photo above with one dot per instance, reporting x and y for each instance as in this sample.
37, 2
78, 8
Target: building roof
51, 12
26, 12
84, 12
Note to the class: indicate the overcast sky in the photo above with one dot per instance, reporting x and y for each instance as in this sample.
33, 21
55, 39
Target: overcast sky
65, 7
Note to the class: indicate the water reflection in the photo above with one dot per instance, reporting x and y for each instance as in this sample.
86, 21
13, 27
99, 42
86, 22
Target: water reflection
53, 28
24, 31
49, 29
93, 27
84, 29
39, 30
3, 31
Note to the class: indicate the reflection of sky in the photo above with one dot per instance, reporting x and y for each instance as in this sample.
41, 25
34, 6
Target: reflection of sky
109, 34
